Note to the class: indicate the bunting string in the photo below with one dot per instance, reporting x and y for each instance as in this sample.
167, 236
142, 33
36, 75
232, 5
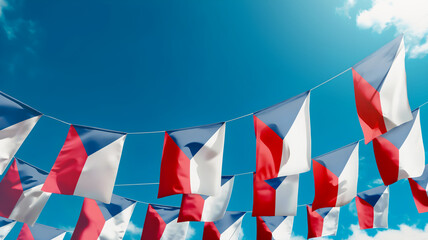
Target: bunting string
227, 121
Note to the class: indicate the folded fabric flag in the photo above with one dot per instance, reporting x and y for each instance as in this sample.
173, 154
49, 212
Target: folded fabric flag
419, 187
98, 220
274, 228
400, 152
87, 164
381, 90
16, 122
226, 228
21, 196
372, 208
40, 232
283, 134
201, 208
322, 222
161, 224
336, 177
6, 226
276, 196
192, 160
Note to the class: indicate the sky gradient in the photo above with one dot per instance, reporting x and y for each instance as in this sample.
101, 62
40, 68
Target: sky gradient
161, 65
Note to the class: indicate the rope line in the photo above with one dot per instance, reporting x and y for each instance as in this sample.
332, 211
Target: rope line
227, 121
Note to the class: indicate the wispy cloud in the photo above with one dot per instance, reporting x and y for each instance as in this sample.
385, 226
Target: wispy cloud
409, 17
352, 208
190, 232
404, 232
13, 26
349, 4
134, 229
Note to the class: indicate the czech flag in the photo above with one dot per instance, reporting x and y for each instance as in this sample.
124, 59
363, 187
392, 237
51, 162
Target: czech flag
87, 164
226, 228
16, 122
276, 196
192, 160
419, 187
372, 208
274, 228
336, 177
322, 222
40, 232
161, 224
21, 196
381, 90
400, 152
6, 226
283, 134
98, 220
201, 208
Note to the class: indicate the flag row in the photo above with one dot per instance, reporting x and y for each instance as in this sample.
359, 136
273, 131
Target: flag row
23, 200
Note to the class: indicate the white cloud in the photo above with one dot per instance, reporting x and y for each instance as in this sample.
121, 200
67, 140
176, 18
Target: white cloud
349, 4
134, 229
352, 207
404, 232
190, 232
409, 17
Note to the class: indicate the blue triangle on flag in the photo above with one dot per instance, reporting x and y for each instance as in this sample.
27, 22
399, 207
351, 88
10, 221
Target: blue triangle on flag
280, 117
191, 140
273, 222
275, 182
336, 160
94, 139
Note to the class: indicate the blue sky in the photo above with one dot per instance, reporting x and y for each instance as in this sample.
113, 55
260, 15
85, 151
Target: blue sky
160, 65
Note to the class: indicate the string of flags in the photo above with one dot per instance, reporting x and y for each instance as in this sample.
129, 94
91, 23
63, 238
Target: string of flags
191, 166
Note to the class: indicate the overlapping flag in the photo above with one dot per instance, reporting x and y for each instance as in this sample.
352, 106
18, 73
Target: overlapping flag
201, 208
161, 224
274, 228
40, 232
22, 185
400, 153
381, 90
336, 177
99, 220
191, 161
372, 208
276, 196
6, 226
226, 228
419, 187
323, 221
16, 122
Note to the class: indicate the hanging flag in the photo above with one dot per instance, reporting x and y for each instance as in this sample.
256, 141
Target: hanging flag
336, 177
276, 196
6, 226
16, 122
372, 208
40, 232
98, 220
201, 208
274, 228
21, 196
226, 228
419, 187
87, 164
322, 222
192, 160
400, 152
381, 90
161, 224
283, 134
